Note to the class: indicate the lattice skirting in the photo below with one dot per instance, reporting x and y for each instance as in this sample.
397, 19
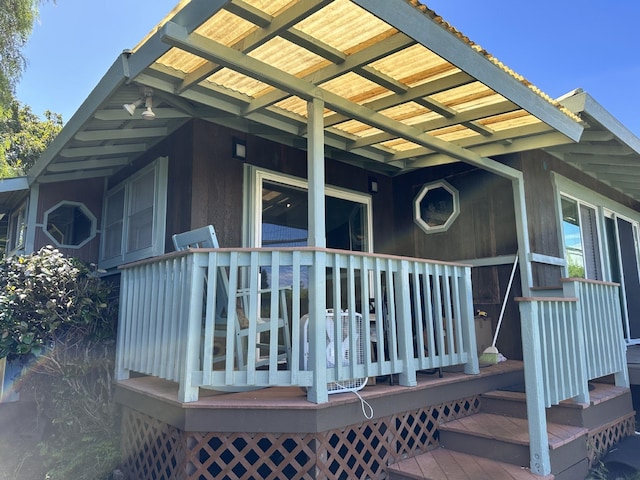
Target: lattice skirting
155, 450
600, 441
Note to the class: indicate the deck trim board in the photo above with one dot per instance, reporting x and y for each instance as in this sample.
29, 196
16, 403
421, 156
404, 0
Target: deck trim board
443, 464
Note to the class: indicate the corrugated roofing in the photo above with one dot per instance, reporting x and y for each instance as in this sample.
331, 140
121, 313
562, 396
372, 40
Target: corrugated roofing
401, 86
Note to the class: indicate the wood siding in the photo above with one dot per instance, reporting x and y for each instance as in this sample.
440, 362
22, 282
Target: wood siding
88, 192
485, 228
217, 183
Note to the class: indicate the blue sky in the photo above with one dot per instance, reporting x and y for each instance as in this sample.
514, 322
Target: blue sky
558, 45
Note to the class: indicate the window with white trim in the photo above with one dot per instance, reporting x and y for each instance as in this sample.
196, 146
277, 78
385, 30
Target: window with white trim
69, 224
281, 214
17, 229
134, 217
581, 242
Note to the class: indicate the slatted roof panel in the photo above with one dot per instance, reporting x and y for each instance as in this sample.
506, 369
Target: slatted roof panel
402, 88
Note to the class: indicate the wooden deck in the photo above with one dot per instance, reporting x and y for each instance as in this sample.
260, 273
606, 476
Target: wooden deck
245, 411
443, 464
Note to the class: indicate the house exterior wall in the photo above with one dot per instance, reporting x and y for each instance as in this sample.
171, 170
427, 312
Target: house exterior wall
485, 228
214, 192
538, 168
89, 192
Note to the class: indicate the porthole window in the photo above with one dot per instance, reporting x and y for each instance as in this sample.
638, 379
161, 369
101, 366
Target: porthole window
436, 207
70, 224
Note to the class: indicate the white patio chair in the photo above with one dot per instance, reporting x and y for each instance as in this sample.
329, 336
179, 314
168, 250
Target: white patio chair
205, 237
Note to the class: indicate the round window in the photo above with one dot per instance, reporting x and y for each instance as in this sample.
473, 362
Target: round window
436, 207
70, 224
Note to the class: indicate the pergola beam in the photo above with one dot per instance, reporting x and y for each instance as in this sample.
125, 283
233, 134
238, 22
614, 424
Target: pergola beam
368, 55
215, 52
282, 22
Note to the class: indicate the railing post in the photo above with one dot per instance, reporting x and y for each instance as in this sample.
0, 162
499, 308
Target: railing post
317, 332
405, 333
191, 342
573, 290
536, 414
124, 322
472, 366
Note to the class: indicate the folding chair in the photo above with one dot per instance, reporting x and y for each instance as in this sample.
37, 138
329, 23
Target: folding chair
205, 237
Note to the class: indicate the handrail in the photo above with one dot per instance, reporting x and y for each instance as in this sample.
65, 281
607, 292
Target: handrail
566, 342
402, 315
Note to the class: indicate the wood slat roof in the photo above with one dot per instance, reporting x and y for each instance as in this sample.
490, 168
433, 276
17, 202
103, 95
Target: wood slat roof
402, 88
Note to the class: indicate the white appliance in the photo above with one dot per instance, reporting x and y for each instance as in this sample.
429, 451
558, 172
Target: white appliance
338, 350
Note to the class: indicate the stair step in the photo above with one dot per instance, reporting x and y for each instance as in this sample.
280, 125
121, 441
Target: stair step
607, 402
510, 429
444, 464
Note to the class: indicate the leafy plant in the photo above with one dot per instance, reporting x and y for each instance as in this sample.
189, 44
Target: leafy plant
58, 310
47, 298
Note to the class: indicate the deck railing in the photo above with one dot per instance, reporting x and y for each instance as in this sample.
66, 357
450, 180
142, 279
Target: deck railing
179, 318
566, 342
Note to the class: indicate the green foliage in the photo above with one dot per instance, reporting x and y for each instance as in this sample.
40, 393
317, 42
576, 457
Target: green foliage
46, 297
23, 137
57, 308
70, 460
576, 271
16, 24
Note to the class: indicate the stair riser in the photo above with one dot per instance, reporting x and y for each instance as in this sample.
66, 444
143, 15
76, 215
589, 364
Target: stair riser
606, 412
518, 409
561, 458
567, 456
483, 447
592, 417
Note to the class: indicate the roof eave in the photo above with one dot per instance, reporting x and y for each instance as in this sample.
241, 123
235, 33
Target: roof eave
584, 103
114, 78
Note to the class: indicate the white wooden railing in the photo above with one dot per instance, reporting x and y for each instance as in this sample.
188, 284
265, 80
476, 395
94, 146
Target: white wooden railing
566, 342
403, 315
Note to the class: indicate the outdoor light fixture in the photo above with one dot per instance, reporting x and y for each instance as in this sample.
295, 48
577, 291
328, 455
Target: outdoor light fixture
147, 100
373, 185
148, 112
239, 149
131, 107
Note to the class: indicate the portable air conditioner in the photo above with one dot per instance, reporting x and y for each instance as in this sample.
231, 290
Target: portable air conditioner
339, 350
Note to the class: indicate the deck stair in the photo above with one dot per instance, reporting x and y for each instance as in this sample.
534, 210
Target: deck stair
494, 443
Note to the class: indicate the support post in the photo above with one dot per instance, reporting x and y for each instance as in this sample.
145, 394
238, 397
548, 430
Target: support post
190, 345
405, 335
522, 233
536, 413
318, 392
472, 367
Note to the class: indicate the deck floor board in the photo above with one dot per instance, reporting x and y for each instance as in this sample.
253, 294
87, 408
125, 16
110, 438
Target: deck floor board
443, 464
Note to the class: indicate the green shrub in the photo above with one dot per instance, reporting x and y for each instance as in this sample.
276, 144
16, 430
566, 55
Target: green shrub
46, 296
59, 311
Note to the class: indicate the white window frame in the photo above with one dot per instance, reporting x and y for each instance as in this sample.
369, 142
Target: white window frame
604, 206
599, 234
18, 222
255, 176
90, 216
160, 168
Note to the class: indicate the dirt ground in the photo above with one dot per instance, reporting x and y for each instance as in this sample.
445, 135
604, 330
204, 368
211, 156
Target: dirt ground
20, 434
